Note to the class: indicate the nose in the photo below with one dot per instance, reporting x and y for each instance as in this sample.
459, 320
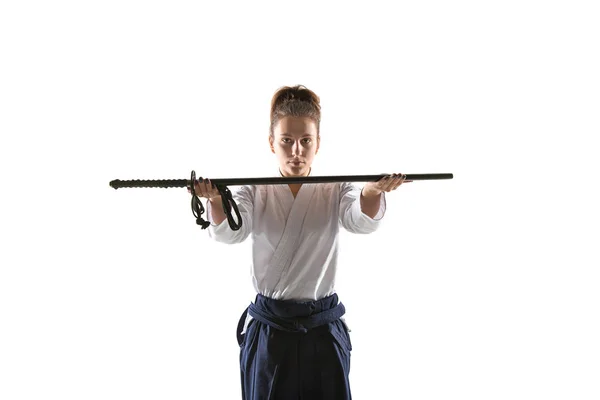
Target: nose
296, 148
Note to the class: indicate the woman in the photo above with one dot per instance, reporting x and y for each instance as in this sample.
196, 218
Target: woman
293, 341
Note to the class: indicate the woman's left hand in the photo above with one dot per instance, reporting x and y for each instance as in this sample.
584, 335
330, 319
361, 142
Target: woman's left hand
385, 184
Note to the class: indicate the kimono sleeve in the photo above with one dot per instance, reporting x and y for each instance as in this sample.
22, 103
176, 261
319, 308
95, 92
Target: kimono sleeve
351, 216
244, 198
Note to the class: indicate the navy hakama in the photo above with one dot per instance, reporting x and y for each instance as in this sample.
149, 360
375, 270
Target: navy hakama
295, 350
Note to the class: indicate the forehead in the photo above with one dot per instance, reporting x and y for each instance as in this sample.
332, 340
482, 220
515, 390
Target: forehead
294, 126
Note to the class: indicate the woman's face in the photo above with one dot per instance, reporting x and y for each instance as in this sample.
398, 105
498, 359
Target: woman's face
295, 143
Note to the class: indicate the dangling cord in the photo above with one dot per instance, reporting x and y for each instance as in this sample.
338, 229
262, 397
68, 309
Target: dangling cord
228, 203
197, 207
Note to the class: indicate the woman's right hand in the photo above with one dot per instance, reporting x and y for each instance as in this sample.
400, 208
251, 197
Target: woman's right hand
204, 188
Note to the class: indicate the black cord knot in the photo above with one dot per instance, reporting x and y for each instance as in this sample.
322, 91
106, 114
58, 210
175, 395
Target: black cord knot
228, 204
204, 224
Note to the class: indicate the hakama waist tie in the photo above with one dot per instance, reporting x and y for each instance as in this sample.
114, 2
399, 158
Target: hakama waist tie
291, 315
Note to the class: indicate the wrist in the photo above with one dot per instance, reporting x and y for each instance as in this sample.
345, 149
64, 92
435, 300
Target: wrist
370, 193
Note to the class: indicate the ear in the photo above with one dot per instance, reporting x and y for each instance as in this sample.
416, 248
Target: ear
271, 144
318, 144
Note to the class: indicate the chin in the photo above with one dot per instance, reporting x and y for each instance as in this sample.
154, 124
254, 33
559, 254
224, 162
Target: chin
297, 171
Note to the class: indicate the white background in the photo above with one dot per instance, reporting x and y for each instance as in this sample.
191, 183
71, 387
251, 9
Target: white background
480, 287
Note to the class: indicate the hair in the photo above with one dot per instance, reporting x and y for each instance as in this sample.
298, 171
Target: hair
296, 101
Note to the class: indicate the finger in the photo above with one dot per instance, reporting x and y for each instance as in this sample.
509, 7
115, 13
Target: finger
392, 183
200, 188
398, 181
211, 186
380, 183
401, 179
396, 184
388, 183
205, 188
208, 189
211, 190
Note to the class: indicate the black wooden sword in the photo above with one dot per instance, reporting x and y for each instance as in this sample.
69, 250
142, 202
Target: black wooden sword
227, 199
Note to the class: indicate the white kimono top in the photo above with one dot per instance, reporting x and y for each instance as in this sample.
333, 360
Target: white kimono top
295, 240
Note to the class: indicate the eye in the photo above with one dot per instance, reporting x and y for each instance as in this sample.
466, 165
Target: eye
307, 140
285, 140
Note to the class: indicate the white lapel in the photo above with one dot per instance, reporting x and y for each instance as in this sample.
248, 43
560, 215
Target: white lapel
288, 244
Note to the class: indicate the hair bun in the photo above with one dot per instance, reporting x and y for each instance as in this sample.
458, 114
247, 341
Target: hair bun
296, 93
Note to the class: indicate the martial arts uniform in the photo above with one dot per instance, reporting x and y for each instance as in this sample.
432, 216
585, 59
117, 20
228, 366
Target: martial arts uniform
294, 345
